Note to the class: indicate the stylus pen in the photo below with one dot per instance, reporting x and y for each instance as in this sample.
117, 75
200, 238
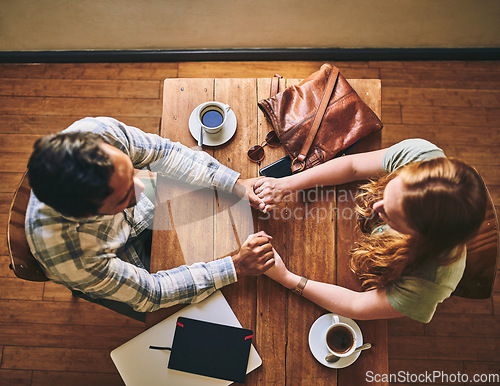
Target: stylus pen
160, 348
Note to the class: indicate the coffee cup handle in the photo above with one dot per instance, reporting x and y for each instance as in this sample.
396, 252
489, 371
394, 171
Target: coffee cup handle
335, 319
227, 108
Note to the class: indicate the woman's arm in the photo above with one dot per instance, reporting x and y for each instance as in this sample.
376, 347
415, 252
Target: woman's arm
334, 172
357, 305
351, 304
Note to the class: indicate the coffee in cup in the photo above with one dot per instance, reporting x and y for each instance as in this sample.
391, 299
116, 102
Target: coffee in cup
340, 338
212, 116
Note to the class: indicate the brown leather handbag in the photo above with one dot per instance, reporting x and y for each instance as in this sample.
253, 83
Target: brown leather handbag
319, 118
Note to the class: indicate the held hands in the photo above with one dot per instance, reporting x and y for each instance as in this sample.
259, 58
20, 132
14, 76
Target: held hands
264, 193
255, 256
270, 191
244, 189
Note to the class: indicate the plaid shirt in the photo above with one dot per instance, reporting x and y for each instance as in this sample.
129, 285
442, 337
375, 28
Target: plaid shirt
95, 255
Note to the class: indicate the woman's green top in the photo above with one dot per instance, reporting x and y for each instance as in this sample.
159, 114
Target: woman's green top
418, 293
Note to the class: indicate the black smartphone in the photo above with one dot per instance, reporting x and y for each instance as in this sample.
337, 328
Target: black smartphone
278, 169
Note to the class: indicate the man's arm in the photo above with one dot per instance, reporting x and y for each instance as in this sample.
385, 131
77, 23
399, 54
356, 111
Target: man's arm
179, 162
191, 284
170, 159
107, 276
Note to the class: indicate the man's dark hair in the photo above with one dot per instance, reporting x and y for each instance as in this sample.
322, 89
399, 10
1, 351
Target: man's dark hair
70, 172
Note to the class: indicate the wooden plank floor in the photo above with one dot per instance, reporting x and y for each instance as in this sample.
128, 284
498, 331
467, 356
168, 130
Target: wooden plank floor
47, 337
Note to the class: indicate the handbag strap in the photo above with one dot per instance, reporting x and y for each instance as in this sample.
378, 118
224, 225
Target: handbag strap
330, 86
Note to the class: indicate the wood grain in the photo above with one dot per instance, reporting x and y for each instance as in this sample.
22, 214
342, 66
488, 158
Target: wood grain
80, 88
124, 107
57, 359
71, 336
43, 377
124, 71
272, 321
43, 124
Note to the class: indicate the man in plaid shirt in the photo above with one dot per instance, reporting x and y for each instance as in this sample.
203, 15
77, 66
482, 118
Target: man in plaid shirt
86, 218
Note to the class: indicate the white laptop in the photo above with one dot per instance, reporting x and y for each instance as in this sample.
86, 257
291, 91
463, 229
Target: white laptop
139, 365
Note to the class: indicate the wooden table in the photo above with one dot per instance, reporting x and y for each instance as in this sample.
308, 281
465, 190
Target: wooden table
313, 238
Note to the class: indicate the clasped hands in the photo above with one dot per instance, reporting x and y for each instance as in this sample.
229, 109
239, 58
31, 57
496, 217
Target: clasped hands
263, 193
257, 255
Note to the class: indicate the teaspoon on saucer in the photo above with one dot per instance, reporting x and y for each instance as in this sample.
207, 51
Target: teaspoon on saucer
200, 139
332, 358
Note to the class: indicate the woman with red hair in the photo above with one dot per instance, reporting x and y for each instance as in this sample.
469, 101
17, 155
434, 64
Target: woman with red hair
417, 212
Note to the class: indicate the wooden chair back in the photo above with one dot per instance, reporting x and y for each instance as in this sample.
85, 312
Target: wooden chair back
482, 259
22, 261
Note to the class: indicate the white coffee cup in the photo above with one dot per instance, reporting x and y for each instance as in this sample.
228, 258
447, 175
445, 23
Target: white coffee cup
340, 338
213, 116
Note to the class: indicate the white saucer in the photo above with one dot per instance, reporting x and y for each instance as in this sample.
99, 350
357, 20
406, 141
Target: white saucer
318, 345
216, 139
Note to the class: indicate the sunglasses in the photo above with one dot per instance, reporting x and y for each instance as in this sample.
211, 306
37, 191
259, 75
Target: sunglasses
256, 153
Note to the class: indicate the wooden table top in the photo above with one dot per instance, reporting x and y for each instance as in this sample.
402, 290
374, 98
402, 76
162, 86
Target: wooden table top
313, 239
